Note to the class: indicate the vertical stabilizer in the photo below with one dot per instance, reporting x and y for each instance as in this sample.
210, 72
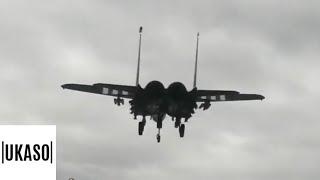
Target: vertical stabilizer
138, 66
196, 64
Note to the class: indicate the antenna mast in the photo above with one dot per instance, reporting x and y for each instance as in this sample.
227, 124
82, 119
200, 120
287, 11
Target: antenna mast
196, 64
138, 67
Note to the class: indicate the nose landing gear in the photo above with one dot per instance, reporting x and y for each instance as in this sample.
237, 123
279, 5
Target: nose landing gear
178, 124
158, 136
159, 126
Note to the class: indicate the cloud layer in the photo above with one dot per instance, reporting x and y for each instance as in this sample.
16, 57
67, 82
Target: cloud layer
268, 47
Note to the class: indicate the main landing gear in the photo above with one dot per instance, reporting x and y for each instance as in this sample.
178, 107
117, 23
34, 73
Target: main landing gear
178, 124
181, 127
141, 125
159, 126
181, 130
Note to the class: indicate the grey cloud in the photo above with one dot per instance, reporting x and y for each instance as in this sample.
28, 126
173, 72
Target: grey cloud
268, 47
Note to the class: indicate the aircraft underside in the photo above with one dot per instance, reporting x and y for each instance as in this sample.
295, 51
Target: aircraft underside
157, 102
158, 118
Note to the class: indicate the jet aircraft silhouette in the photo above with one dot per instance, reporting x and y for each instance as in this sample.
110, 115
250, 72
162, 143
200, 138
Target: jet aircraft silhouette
156, 101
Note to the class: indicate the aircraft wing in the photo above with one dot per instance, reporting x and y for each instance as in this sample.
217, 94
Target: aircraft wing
104, 89
220, 95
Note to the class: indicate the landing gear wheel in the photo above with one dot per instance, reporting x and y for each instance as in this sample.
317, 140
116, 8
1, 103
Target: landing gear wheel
181, 130
158, 138
140, 128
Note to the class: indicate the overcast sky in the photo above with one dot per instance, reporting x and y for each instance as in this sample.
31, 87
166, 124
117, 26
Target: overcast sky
269, 47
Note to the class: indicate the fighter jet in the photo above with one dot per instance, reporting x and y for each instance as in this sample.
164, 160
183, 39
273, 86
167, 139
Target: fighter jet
156, 101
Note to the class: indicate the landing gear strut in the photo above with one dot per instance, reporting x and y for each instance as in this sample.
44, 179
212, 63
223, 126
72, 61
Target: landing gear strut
158, 136
141, 125
177, 123
159, 126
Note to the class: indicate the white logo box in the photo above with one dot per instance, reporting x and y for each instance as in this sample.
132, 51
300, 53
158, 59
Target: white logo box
28, 135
